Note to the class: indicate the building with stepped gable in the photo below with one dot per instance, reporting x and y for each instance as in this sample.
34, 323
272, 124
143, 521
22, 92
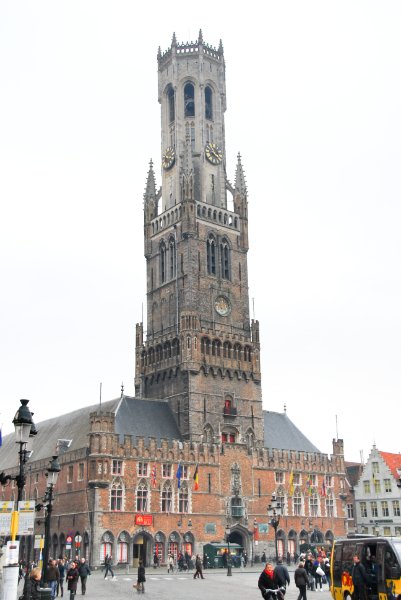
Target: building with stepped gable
193, 455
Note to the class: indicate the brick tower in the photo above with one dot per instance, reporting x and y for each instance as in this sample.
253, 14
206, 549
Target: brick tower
201, 352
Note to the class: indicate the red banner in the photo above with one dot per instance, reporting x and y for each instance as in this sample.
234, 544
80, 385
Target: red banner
144, 520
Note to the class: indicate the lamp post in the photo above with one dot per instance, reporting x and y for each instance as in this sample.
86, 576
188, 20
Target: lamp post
229, 565
274, 512
52, 474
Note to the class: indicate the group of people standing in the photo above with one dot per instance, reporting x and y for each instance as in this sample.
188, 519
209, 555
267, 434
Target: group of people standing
310, 574
55, 573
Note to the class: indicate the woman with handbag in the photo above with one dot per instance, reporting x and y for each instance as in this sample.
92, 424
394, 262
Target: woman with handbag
318, 573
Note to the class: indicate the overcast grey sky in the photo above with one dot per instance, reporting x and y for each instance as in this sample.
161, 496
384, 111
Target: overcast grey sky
314, 97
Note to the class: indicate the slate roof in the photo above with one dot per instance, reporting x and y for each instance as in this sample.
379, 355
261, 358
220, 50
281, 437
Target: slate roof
136, 417
282, 434
393, 461
354, 472
139, 418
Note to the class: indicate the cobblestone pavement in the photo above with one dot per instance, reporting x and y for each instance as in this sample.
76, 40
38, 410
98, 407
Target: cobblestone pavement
160, 585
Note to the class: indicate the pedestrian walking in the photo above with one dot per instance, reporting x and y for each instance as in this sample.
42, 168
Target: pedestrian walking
61, 571
52, 577
170, 563
108, 560
198, 568
359, 579
301, 580
141, 579
83, 571
32, 585
155, 560
281, 575
72, 579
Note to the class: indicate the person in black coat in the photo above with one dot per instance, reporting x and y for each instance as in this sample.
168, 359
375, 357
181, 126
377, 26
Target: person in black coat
32, 585
281, 575
360, 579
301, 580
141, 578
83, 571
267, 582
72, 579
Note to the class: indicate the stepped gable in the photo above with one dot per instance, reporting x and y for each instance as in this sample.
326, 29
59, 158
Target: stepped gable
393, 461
281, 433
72, 426
146, 418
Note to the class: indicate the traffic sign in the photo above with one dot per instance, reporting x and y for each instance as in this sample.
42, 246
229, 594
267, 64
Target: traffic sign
78, 539
68, 539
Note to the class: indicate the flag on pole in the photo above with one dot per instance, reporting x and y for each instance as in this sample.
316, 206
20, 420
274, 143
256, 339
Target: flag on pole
179, 475
309, 484
291, 482
153, 476
323, 491
196, 479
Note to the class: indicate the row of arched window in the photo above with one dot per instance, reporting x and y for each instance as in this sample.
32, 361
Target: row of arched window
171, 500
226, 350
218, 216
189, 102
160, 352
168, 260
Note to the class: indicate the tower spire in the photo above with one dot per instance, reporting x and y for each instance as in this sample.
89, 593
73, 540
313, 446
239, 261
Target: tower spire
240, 183
150, 191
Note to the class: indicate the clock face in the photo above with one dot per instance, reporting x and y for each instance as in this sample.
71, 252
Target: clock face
168, 158
213, 153
222, 306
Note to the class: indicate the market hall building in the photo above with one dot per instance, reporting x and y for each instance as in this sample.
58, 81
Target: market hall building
193, 455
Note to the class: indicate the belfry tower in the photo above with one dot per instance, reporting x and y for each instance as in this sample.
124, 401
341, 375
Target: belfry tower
201, 351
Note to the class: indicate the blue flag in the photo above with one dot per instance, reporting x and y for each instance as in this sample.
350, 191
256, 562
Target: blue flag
179, 475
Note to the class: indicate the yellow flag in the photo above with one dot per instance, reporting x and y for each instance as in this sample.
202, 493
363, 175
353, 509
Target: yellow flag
291, 482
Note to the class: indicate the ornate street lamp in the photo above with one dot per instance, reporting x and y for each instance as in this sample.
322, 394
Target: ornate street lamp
229, 563
52, 474
24, 430
274, 512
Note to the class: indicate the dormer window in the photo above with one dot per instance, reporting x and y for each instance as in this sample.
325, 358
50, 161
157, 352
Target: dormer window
189, 100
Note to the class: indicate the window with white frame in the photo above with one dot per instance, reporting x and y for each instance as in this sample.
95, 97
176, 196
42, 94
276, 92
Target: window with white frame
314, 505
167, 498
396, 508
297, 504
377, 486
373, 509
366, 487
350, 511
70, 474
142, 497
166, 470
387, 531
329, 506
329, 480
143, 469
183, 499
81, 470
279, 477
387, 485
363, 509
375, 467
385, 511
116, 497
297, 480
184, 472
313, 479
117, 467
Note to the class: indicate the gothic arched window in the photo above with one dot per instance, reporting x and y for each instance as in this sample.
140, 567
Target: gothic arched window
211, 256
167, 498
172, 258
189, 100
208, 103
225, 259
142, 497
171, 104
162, 262
183, 499
116, 496
314, 505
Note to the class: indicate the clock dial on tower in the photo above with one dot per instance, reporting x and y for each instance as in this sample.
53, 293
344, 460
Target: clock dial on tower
213, 153
168, 158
